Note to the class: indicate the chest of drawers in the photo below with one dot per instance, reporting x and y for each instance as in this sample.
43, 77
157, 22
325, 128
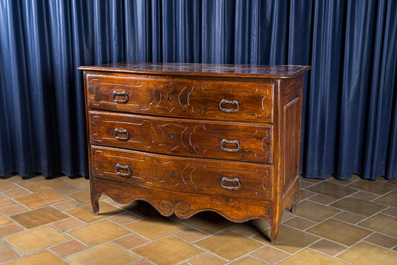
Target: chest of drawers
196, 137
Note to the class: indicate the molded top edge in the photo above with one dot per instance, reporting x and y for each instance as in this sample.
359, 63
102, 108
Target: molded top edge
198, 69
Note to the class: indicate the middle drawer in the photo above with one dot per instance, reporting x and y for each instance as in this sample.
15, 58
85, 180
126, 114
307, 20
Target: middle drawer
192, 138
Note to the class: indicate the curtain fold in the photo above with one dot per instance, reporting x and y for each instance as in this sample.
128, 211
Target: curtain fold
350, 94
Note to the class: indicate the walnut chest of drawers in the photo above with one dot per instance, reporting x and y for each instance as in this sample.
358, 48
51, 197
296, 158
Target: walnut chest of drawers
196, 137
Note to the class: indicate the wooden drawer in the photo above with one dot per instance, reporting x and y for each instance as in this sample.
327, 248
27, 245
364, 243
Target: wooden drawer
194, 138
203, 176
217, 99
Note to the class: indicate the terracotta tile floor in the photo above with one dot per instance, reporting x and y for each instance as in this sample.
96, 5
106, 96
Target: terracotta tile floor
50, 221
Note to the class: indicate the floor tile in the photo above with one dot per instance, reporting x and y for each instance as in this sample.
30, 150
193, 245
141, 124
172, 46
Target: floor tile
248, 261
377, 187
315, 180
392, 211
349, 217
299, 223
4, 220
156, 227
18, 179
191, 235
356, 203
323, 199
4, 201
328, 247
41, 199
67, 224
105, 254
206, 259
67, 205
247, 229
270, 255
68, 248
38, 258
141, 209
13, 209
382, 223
314, 211
390, 181
364, 195
308, 256
42, 184
66, 188
368, 254
304, 184
208, 222
229, 245
86, 214
358, 206
132, 241
82, 196
332, 190
80, 182
286, 216
125, 218
7, 254
389, 199
304, 194
169, 250
340, 232
289, 239
382, 240
6, 185
10, 229
39, 217
344, 182
98, 233
36, 239
262, 225
16, 192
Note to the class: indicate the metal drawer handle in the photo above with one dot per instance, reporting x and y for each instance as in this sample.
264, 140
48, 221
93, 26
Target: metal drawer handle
235, 181
230, 150
125, 132
121, 94
233, 102
126, 167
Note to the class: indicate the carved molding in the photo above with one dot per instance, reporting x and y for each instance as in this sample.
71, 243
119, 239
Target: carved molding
167, 98
181, 209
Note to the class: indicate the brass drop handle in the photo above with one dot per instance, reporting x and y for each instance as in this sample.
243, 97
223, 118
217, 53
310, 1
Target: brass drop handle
120, 94
230, 150
126, 167
229, 110
117, 131
226, 182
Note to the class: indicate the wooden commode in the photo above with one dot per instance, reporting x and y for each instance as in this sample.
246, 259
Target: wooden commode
196, 137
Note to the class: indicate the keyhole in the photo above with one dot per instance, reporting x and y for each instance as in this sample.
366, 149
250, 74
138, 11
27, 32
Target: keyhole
170, 96
172, 174
172, 136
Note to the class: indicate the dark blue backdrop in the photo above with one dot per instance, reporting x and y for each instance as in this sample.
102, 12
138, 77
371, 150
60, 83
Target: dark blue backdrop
350, 116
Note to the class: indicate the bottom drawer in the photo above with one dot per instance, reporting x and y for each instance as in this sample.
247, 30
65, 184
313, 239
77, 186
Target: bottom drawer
203, 176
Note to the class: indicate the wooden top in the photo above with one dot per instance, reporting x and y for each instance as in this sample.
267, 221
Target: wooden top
198, 69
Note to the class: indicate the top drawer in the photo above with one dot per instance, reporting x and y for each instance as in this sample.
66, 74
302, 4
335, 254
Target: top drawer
165, 96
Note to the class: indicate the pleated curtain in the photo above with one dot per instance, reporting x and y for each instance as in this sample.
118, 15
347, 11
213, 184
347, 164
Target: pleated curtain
350, 113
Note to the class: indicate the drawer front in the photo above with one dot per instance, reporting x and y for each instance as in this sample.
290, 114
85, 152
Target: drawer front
194, 138
209, 99
204, 176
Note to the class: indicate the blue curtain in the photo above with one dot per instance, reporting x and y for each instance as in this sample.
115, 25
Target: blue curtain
350, 114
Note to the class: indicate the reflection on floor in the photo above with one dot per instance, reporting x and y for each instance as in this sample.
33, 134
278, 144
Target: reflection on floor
50, 221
